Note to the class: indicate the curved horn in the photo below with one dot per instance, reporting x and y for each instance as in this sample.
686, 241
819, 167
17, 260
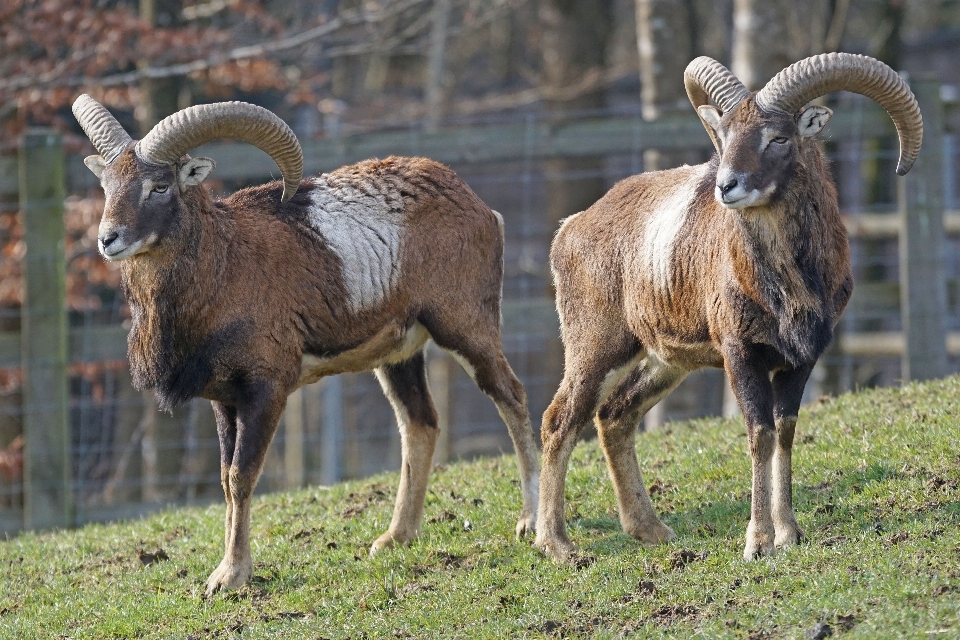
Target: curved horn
819, 75
106, 134
175, 135
706, 79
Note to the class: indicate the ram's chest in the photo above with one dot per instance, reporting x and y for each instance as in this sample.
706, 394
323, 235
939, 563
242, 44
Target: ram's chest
365, 229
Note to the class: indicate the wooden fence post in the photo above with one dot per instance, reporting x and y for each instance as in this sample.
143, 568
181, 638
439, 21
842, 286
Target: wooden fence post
48, 491
922, 271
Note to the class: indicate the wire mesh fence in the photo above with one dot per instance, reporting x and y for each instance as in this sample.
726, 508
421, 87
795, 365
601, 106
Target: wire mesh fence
127, 457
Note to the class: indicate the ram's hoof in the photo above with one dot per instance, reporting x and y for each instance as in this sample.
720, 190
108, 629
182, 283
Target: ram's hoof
229, 576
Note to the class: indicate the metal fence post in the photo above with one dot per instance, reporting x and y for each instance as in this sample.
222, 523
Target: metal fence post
440, 376
332, 431
294, 418
48, 494
922, 270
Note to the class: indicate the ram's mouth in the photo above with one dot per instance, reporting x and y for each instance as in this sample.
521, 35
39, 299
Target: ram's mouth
738, 201
117, 253
743, 199
734, 203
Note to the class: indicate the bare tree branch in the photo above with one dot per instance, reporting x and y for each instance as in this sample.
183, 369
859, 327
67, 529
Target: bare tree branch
594, 79
239, 53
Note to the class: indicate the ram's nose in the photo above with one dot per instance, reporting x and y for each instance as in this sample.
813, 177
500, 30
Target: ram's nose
108, 239
728, 186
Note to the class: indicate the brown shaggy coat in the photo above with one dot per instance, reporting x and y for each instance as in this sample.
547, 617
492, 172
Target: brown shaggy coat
658, 278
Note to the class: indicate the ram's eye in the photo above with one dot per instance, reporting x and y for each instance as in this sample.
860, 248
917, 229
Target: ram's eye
160, 188
781, 140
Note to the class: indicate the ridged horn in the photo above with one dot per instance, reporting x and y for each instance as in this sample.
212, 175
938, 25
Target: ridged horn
106, 134
707, 80
819, 75
177, 134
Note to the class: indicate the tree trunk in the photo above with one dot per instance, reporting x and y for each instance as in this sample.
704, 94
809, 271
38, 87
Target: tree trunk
762, 42
664, 42
574, 41
160, 96
712, 28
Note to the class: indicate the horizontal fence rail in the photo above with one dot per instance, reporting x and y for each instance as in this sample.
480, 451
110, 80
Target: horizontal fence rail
533, 139
109, 343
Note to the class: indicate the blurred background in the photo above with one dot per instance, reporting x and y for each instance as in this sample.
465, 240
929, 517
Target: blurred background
540, 105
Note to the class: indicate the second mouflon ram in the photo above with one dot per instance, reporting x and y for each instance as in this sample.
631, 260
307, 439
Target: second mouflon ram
741, 263
244, 299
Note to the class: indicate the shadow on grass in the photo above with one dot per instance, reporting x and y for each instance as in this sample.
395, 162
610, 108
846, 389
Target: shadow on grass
827, 503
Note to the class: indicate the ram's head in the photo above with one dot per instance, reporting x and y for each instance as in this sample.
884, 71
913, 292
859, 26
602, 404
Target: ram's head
759, 136
146, 182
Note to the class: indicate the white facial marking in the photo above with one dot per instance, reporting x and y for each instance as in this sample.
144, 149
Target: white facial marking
365, 230
663, 224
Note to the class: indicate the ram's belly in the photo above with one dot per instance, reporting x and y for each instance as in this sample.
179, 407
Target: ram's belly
391, 344
687, 355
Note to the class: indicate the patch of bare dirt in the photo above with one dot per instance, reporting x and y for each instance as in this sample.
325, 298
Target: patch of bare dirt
147, 558
670, 613
444, 516
358, 503
681, 558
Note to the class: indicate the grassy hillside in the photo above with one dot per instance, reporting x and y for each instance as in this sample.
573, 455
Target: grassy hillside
876, 490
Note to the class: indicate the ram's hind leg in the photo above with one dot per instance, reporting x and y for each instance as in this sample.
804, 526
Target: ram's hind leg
617, 422
591, 361
405, 385
487, 366
787, 392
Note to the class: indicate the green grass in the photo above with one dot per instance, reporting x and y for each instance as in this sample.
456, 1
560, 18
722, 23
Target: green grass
877, 490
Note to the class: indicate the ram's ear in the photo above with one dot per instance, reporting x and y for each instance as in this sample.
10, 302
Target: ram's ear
195, 170
710, 115
96, 164
812, 120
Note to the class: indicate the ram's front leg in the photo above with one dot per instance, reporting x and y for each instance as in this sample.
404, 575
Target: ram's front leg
787, 391
750, 379
245, 433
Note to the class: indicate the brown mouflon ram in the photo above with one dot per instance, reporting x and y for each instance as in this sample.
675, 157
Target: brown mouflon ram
244, 299
741, 263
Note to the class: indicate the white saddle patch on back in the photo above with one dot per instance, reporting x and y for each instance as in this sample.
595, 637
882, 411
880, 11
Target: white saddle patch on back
365, 229
663, 225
